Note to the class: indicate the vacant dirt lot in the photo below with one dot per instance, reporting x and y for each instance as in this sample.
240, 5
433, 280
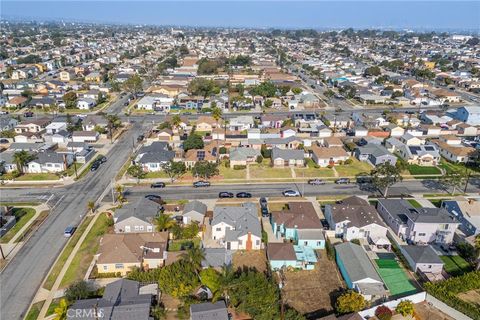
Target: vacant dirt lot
313, 293
250, 259
472, 296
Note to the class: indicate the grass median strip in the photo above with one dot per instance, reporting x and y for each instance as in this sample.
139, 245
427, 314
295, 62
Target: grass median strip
23, 215
80, 263
34, 311
54, 272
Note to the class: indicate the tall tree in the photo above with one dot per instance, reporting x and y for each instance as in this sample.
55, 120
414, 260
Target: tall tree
174, 169
176, 120
194, 255
21, 158
217, 115
91, 206
193, 141
164, 222
136, 171
114, 122
205, 169
384, 176
454, 180
133, 84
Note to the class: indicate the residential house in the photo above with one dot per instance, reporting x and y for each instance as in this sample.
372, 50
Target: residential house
287, 158
237, 228
33, 126
194, 211
208, 153
55, 127
358, 271
85, 136
331, 156
456, 152
119, 253
240, 123
92, 121
67, 76
217, 258
205, 124
299, 223
375, 155
86, 103
122, 299
271, 121
157, 102
422, 259
153, 157
7, 123
445, 96
242, 156
417, 225
469, 114
395, 130
422, 155
136, 217
288, 255
209, 311
17, 102
7, 161
467, 213
354, 218
49, 162
465, 129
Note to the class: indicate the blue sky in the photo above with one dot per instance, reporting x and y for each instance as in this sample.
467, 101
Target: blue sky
283, 14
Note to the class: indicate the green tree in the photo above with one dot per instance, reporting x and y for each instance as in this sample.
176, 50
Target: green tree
78, 290
61, 310
7, 134
91, 206
454, 180
163, 222
183, 50
193, 141
350, 301
405, 308
212, 279
194, 256
21, 158
178, 279
203, 87
384, 176
297, 90
70, 99
266, 89
190, 231
372, 71
174, 169
133, 84
136, 171
205, 169
176, 120
113, 122
268, 103
329, 94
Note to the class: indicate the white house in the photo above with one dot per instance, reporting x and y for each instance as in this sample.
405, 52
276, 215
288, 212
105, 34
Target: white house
86, 103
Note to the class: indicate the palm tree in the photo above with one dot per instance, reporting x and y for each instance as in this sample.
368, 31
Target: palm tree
176, 120
164, 222
91, 206
195, 256
119, 190
113, 123
61, 310
217, 115
21, 158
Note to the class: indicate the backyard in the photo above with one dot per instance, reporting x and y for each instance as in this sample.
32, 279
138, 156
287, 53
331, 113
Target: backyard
251, 259
455, 265
394, 277
313, 292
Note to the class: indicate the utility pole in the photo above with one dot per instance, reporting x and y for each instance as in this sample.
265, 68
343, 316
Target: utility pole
75, 164
468, 173
113, 193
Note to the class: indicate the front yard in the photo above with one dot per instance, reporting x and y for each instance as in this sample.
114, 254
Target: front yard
263, 171
37, 177
23, 215
309, 172
351, 170
156, 175
422, 170
230, 173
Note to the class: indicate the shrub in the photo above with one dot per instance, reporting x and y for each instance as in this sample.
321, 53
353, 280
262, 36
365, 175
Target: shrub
78, 290
259, 159
405, 308
350, 301
356, 241
383, 313
222, 150
348, 161
239, 167
227, 164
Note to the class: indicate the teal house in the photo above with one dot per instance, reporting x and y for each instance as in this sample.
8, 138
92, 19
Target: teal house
300, 224
286, 255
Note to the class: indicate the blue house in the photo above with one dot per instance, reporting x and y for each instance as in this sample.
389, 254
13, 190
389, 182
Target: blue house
469, 114
467, 212
286, 255
300, 224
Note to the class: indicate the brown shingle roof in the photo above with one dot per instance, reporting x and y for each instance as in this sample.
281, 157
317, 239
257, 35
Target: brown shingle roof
301, 215
281, 251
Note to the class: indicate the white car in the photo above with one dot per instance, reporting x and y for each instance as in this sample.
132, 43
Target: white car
291, 193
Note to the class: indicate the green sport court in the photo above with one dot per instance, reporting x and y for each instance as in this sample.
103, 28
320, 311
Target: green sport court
394, 277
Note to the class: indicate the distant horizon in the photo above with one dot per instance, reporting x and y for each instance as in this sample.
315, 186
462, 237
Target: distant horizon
319, 15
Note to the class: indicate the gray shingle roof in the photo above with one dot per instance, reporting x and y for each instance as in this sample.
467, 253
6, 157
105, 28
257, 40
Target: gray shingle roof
287, 154
403, 209
240, 153
243, 219
356, 262
217, 257
196, 206
422, 254
209, 311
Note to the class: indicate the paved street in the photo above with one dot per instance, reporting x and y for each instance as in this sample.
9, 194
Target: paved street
25, 273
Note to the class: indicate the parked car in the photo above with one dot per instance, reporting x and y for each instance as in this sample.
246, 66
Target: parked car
4, 141
291, 193
154, 198
342, 181
95, 166
140, 137
28, 114
316, 182
263, 202
244, 195
158, 185
69, 231
102, 159
199, 184
225, 194
364, 179
265, 212
325, 224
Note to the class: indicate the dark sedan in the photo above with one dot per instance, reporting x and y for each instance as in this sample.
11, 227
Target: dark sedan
158, 185
225, 194
244, 195
154, 198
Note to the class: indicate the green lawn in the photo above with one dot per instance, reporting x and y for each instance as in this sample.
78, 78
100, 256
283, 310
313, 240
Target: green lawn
23, 215
351, 170
34, 311
455, 265
415, 204
80, 263
266, 172
176, 245
65, 253
230, 173
156, 175
37, 177
51, 308
309, 172
421, 170
71, 170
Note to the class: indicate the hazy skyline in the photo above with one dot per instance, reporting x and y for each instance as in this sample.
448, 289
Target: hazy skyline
258, 14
